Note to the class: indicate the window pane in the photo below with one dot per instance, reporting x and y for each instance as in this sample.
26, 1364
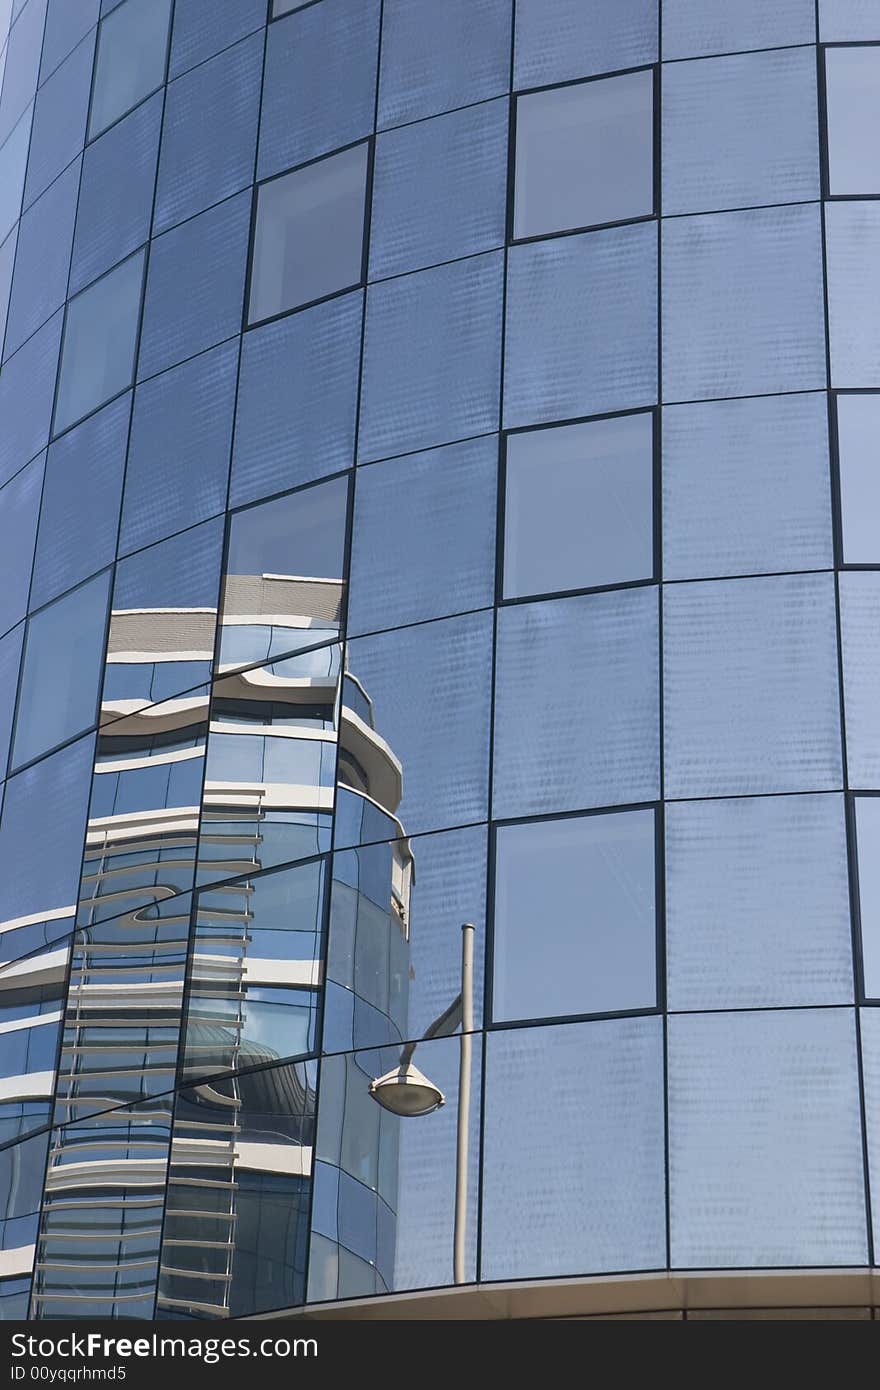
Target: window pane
59, 119
19, 508
557, 40
205, 27
61, 669
765, 1140
858, 433
438, 58
584, 155
27, 385
309, 240
97, 358
132, 43
853, 232
859, 625
852, 93
45, 237
578, 507
579, 894
716, 26
13, 161
573, 1167
10, 660
66, 24
870, 1030
843, 20
867, 811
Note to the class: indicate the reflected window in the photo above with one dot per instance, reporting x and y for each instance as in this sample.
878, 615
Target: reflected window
309, 239
100, 335
852, 98
579, 506
575, 916
867, 812
858, 444
61, 670
584, 155
130, 64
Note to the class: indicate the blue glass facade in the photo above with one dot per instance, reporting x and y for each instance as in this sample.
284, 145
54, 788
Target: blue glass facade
438, 485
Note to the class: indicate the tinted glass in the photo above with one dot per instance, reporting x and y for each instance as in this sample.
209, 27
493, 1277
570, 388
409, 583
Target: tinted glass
310, 233
858, 432
19, 508
13, 161
59, 119
859, 616
130, 63
867, 811
575, 917
715, 26
27, 385
100, 334
843, 20
852, 95
438, 59
578, 506
204, 27
853, 237
584, 155
560, 39
43, 259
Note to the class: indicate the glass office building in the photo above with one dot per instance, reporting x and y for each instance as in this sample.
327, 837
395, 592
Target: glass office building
439, 483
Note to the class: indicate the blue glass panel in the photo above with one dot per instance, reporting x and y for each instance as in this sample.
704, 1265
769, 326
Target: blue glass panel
297, 399
183, 572
27, 385
100, 337
204, 27
22, 65
764, 1140
746, 487
716, 119
432, 355
859, 619
311, 59
19, 508
581, 326
750, 693
116, 196
858, 430
439, 190
870, 1030
60, 670
743, 304
430, 691
842, 20
67, 21
852, 84
436, 58
209, 136
13, 161
7, 262
580, 1108
178, 462
853, 236
60, 119
43, 260
195, 286
557, 40
10, 656
867, 828
757, 903
716, 26
130, 61
577, 704
41, 832
79, 516
440, 507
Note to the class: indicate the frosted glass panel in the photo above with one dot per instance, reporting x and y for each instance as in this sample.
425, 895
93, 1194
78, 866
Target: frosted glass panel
867, 813
870, 1030
858, 445
717, 26
750, 693
438, 58
765, 1153
557, 40
841, 20
852, 96
859, 625
853, 233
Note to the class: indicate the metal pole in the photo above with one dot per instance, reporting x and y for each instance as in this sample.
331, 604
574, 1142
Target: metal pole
464, 1102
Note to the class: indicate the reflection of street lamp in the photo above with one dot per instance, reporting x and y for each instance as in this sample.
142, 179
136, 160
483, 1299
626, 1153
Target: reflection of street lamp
406, 1091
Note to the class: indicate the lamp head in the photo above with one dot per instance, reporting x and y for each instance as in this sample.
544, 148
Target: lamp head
406, 1091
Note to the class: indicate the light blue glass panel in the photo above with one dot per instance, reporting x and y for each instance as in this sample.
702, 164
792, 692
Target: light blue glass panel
100, 335
60, 670
7, 262
204, 27
439, 190
716, 26
870, 1031
740, 131
27, 385
432, 358
22, 65
183, 572
842, 20
853, 239
319, 89
195, 286
757, 903
39, 285
743, 304
116, 196
440, 508
19, 509
437, 58
41, 832
430, 691
59, 119
67, 21
297, 399
10, 657
79, 516
581, 326
867, 817
130, 61
858, 436
852, 95
765, 1153
13, 162
577, 704
750, 686
557, 40
746, 487
209, 136
573, 1166
859, 625
178, 461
